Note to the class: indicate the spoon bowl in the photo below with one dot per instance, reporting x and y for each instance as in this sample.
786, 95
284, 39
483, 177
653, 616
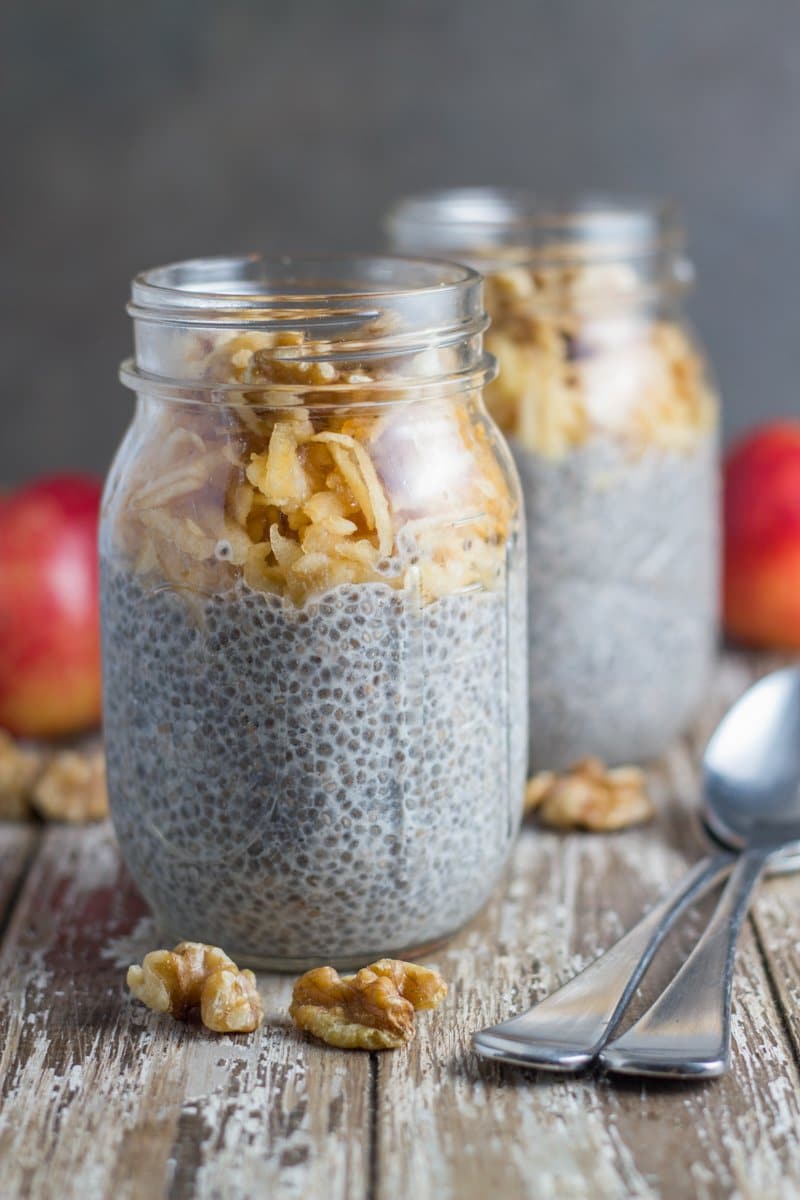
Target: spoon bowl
751, 803
751, 766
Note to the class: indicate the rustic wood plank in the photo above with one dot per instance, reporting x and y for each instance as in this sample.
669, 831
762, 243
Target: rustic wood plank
775, 915
100, 1097
18, 843
450, 1124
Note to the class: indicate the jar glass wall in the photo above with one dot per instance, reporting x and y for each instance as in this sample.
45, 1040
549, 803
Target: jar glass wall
612, 418
312, 583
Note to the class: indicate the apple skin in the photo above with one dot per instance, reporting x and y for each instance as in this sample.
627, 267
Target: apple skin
49, 608
762, 537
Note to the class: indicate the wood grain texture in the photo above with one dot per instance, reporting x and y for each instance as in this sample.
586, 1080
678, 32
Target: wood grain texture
776, 916
99, 1097
450, 1124
18, 843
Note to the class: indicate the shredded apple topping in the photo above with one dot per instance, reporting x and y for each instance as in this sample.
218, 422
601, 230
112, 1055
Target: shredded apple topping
590, 796
297, 493
196, 976
371, 1010
577, 355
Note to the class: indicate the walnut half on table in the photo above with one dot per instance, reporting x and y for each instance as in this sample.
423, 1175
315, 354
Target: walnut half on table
590, 796
61, 785
193, 976
72, 787
371, 1010
19, 770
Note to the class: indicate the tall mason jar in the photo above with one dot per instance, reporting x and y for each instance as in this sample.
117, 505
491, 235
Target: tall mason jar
612, 418
313, 598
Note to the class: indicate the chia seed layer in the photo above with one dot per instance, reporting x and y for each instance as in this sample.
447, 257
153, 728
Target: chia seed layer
326, 783
622, 597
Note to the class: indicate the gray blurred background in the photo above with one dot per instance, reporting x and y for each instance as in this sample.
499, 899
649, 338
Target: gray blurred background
137, 134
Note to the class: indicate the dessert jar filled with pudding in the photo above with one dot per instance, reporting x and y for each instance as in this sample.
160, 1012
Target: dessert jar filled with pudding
313, 598
612, 420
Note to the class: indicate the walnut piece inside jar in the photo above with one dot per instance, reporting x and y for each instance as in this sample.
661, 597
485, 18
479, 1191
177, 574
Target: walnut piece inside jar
194, 976
590, 796
371, 1010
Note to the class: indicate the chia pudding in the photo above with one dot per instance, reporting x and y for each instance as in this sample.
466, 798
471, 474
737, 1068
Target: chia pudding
621, 593
313, 592
300, 780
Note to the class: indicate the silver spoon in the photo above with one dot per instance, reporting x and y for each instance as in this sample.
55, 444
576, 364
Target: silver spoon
751, 794
751, 774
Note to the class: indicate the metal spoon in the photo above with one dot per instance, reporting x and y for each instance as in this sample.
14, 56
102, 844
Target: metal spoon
569, 1028
752, 801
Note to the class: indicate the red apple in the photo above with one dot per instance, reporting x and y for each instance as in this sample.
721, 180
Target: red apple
49, 618
762, 537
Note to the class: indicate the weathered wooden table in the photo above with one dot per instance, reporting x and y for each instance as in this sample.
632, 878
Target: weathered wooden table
102, 1098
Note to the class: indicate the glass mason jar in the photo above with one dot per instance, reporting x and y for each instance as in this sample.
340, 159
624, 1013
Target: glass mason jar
312, 565
612, 420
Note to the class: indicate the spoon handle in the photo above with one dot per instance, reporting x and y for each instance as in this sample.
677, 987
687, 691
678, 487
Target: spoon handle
686, 1033
567, 1029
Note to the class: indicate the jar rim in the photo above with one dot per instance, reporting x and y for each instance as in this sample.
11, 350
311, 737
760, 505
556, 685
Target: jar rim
592, 225
366, 309
222, 288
